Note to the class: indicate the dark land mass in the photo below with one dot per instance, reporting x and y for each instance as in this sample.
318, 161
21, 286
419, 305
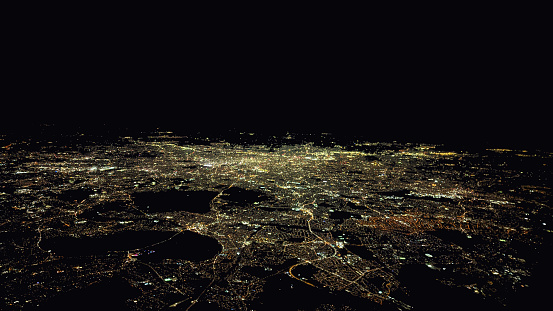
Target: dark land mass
427, 293
185, 245
239, 196
75, 195
174, 200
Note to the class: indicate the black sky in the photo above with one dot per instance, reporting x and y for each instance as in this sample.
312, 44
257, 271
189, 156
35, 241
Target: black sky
426, 83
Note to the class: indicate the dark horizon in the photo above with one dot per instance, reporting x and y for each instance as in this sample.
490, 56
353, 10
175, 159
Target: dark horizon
460, 130
469, 84
425, 98
460, 105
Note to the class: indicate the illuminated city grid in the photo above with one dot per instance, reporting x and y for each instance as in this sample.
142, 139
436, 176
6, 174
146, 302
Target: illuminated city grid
343, 219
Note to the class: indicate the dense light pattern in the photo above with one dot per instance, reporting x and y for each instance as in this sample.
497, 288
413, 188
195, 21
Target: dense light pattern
340, 220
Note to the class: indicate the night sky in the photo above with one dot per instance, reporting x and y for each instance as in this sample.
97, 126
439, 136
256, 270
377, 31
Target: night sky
425, 84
